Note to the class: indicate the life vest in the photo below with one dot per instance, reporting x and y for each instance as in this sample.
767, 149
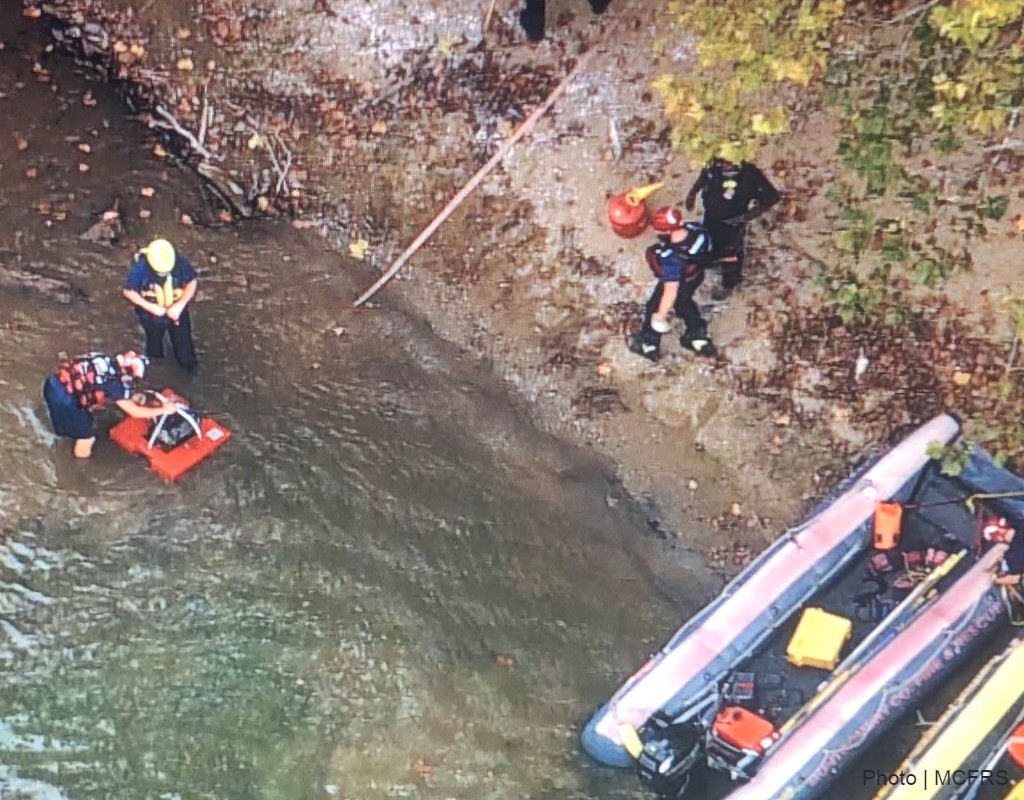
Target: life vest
692, 250
165, 295
85, 377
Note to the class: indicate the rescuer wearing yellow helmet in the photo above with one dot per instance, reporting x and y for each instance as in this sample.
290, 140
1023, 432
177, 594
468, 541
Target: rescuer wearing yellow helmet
160, 284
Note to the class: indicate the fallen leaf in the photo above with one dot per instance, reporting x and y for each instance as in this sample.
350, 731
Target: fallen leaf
961, 378
147, 191
21, 144
158, 151
339, 330
422, 769
31, 173
225, 216
380, 126
262, 202
604, 369
33, 12
184, 33
782, 419
692, 485
255, 141
735, 509
185, 64
358, 248
1018, 223
120, 47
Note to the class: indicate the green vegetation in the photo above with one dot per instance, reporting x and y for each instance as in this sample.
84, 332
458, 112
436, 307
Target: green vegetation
913, 98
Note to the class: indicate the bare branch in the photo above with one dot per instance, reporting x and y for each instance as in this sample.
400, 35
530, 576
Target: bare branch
174, 125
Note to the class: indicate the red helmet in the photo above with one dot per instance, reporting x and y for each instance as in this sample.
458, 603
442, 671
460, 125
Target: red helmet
667, 219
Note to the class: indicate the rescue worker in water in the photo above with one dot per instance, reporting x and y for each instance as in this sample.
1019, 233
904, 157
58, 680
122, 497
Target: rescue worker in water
160, 284
80, 386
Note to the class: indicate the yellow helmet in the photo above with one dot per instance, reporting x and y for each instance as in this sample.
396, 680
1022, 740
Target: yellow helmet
160, 255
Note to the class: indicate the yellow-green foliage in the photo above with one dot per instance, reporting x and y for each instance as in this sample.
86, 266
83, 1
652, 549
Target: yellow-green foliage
976, 62
744, 51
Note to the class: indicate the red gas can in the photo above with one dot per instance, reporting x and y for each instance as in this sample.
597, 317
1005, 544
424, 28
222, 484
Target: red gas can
744, 730
627, 212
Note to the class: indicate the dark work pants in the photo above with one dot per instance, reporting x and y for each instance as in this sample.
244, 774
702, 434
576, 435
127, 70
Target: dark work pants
532, 16
685, 309
156, 328
728, 246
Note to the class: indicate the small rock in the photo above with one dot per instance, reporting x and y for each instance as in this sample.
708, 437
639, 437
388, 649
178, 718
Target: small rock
85, 147
186, 220
32, 173
735, 509
83, 168
147, 191
693, 485
185, 64
88, 100
145, 213
21, 144
338, 330
604, 369
782, 419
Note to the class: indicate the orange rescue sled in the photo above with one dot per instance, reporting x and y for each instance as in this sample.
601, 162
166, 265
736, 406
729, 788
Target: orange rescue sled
132, 435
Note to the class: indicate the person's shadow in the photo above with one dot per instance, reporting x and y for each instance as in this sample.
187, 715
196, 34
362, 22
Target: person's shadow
531, 18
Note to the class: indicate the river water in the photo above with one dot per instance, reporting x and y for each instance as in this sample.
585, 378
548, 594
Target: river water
388, 584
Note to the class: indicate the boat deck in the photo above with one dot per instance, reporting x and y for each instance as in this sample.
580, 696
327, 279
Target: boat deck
781, 688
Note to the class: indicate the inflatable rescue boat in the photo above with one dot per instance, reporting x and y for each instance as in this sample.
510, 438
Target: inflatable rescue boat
683, 679
977, 743
904, 598
173, 444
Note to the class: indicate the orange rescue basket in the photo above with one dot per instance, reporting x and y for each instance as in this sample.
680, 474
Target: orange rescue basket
888, 517
132, 435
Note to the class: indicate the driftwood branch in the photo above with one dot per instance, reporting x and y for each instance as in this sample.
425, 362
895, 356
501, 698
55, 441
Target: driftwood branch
476, 180
173, 124
282, 172
1009, 144
487, 16
204, 118
915, 11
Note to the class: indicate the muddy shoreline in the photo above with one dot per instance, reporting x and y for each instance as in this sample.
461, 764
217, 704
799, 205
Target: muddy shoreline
526, 275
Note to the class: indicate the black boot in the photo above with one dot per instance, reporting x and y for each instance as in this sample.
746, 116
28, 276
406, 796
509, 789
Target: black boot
599, 6
639, 345
698, 341
531, 18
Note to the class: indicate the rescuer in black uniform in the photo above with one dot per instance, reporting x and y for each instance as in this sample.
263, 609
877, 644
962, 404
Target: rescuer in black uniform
732, 195
532, 16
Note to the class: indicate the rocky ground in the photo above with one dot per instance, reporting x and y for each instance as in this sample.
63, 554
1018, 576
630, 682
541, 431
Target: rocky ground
360, 120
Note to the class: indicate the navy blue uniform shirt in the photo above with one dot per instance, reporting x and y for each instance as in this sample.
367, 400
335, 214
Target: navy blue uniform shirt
143, 279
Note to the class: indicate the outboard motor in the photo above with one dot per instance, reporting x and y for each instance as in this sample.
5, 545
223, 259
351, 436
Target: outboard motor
672, 751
